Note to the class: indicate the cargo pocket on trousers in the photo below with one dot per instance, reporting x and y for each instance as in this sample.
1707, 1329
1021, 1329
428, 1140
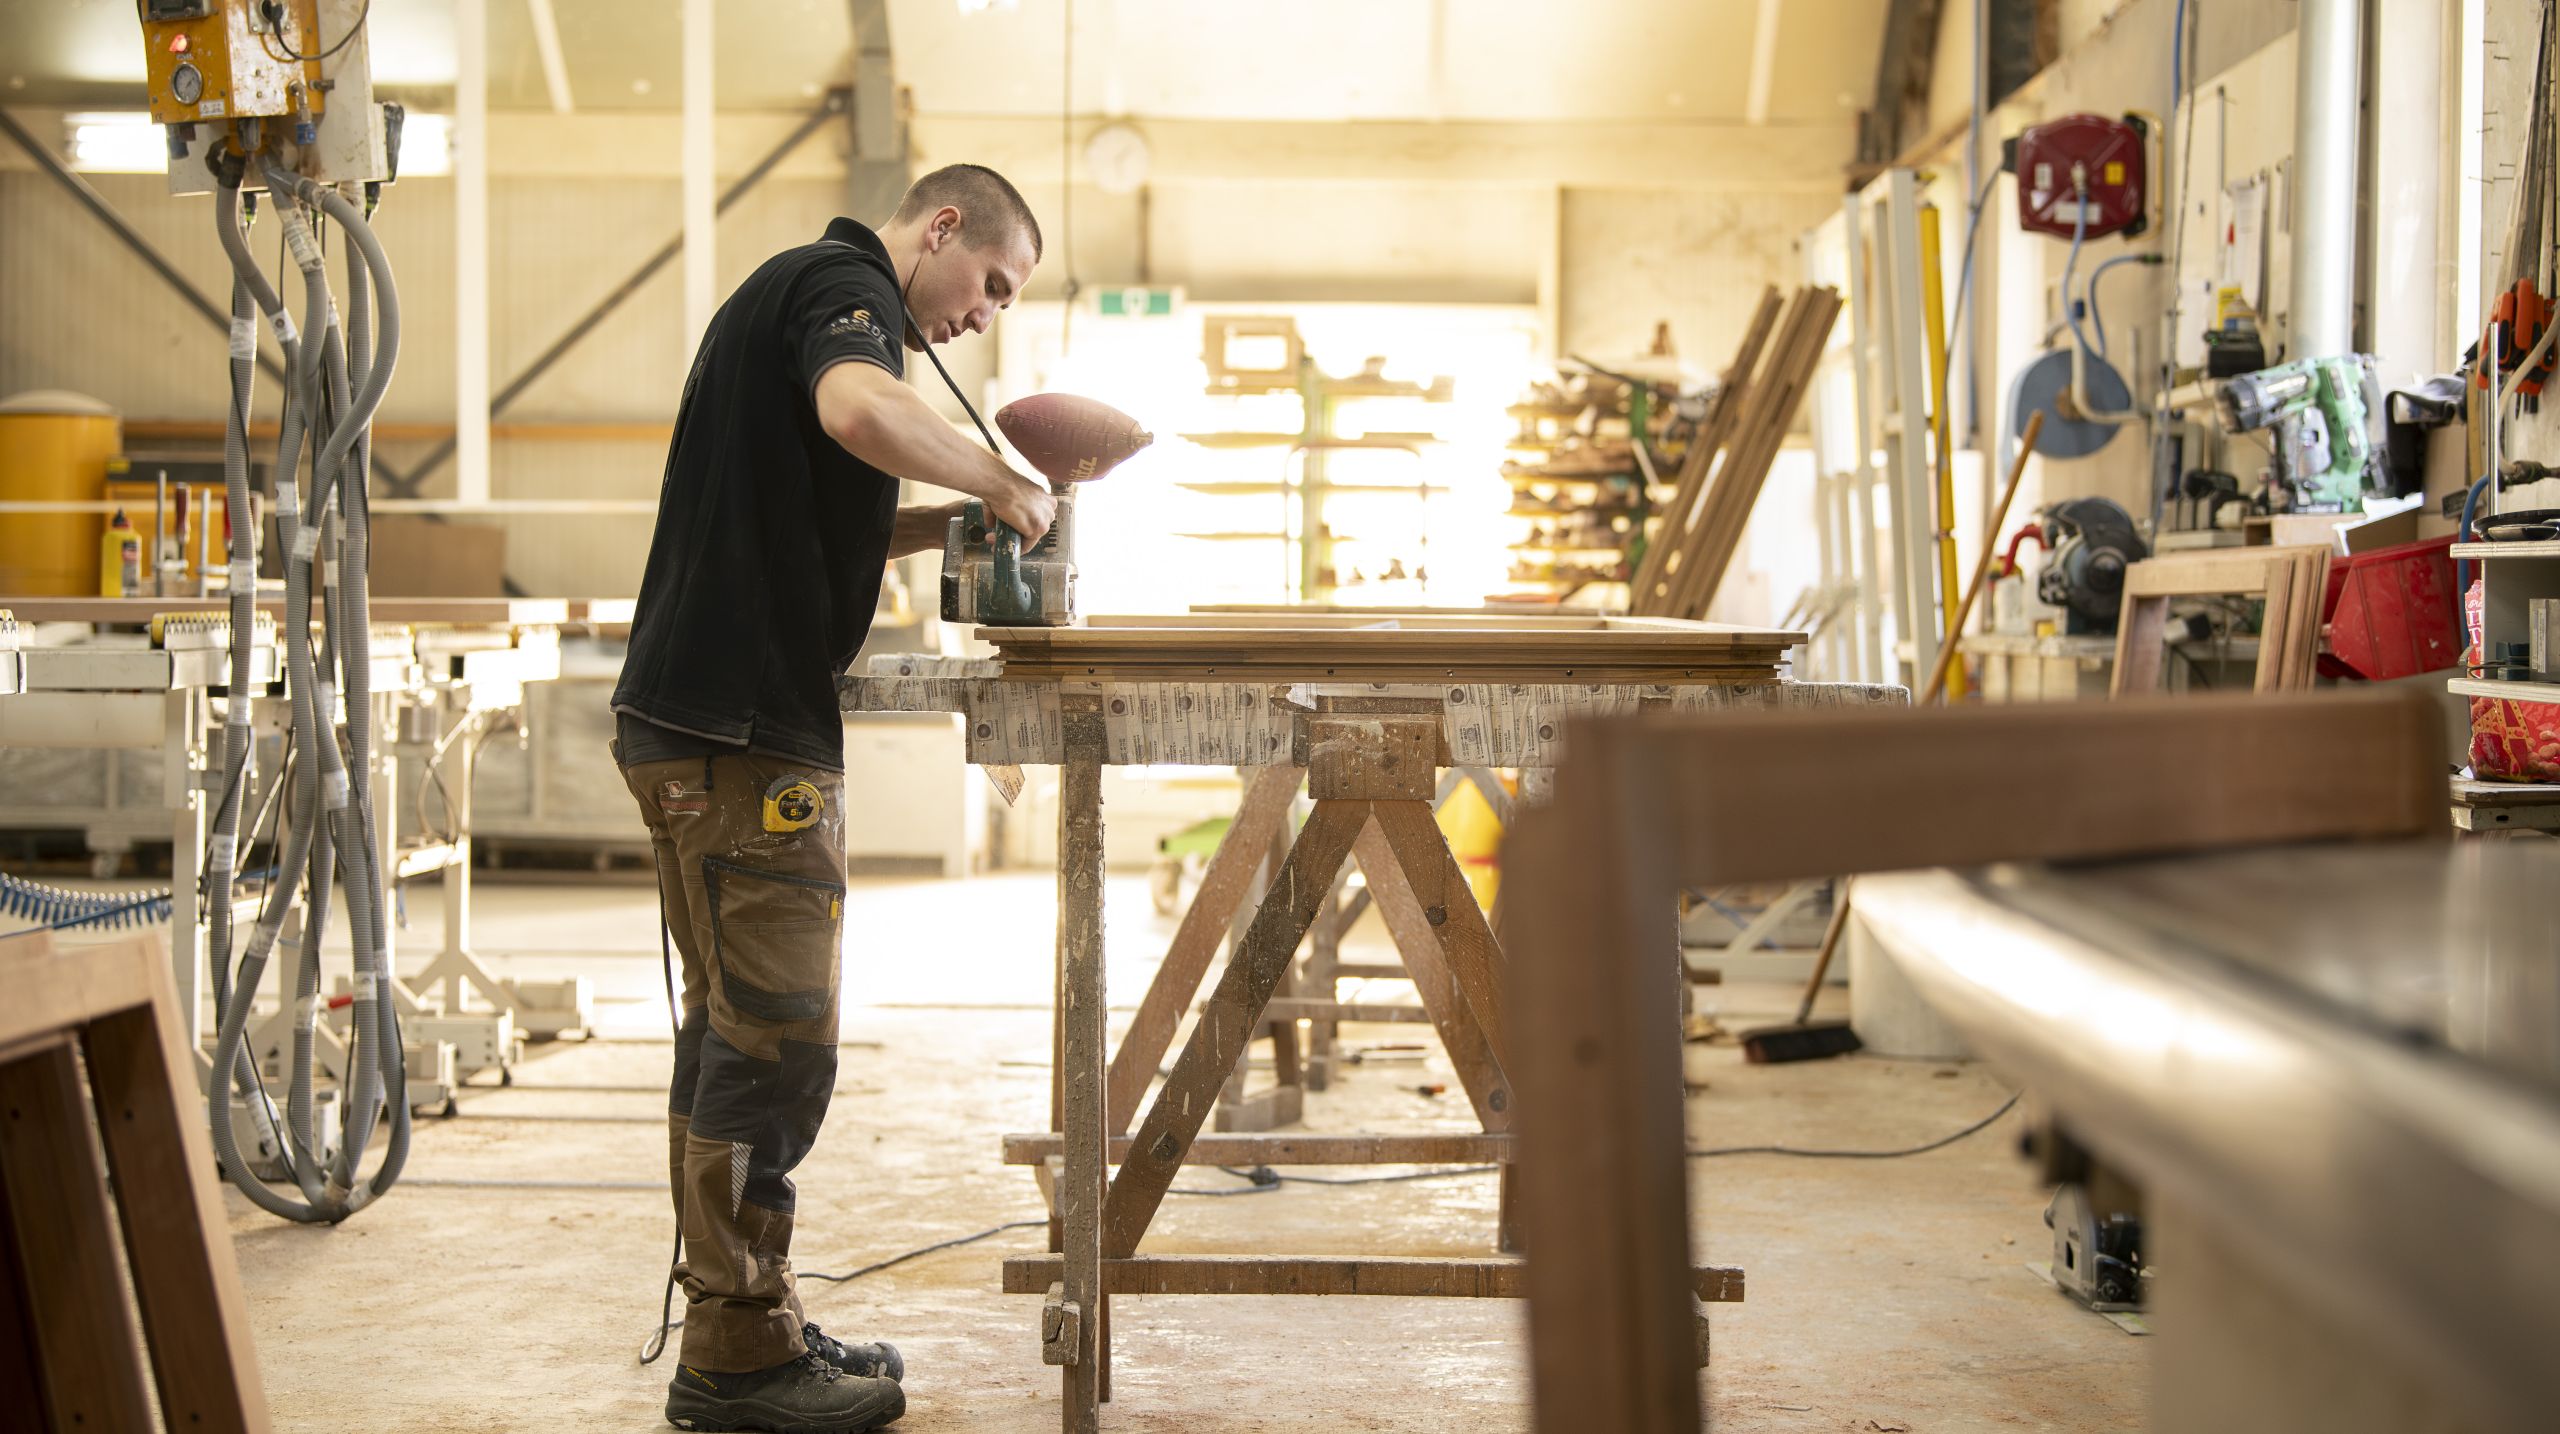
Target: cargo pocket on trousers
775, 940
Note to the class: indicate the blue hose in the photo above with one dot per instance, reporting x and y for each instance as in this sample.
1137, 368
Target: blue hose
54, 908
2462, 566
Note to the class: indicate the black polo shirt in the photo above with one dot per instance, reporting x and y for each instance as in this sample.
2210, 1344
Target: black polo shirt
766, 564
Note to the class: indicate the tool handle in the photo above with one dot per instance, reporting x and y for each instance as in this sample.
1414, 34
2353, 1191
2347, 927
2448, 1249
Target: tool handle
1830, 943
1982, 569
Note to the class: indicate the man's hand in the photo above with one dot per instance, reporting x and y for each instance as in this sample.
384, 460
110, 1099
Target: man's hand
1025, 507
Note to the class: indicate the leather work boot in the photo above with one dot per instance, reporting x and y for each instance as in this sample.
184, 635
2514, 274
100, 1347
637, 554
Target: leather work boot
869, 1361
806, 1395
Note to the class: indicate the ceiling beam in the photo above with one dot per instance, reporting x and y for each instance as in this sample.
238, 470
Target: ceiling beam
1764, 64
555, 67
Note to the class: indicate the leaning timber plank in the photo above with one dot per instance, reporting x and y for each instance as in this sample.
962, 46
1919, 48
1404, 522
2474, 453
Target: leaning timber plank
1492, 1277
1453, 1148
1258, 820
1681, 555
65, 1233
1738, 483
1227, 1021
1316, 1008
186, 1280
1702, 451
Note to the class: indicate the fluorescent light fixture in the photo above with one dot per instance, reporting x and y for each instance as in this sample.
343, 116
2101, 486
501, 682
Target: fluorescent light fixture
117, 142
426, 144
127, 142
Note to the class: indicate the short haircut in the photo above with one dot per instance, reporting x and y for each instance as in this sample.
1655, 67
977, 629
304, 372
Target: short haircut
990, 207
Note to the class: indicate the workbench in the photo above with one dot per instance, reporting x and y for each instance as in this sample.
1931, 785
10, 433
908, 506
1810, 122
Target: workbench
2333, 1070
1368, 717
442, 669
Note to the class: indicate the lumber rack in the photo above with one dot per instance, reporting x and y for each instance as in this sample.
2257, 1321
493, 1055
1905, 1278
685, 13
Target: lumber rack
1371, 756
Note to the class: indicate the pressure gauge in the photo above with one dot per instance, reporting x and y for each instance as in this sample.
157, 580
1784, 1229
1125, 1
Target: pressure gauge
186, 83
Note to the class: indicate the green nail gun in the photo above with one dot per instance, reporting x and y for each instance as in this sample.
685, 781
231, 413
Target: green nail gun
2324, 412
988, 576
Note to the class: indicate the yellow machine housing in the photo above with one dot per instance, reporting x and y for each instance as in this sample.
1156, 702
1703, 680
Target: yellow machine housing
214, 60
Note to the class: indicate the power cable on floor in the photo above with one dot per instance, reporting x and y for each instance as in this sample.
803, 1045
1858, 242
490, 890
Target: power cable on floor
1938, 1144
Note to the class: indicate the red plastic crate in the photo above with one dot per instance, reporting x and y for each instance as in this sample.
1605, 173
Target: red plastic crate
2392, 612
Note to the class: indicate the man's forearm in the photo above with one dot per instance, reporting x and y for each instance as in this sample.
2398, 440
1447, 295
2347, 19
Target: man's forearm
901, 434
920, 529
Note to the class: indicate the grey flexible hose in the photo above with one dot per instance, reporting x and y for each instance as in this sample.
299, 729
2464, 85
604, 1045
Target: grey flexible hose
362, 359
229, 1054
336, 376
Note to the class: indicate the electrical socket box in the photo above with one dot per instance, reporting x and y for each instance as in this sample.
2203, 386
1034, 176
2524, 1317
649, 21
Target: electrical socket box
231, 59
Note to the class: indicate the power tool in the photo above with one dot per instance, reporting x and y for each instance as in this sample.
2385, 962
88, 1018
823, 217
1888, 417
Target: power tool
2091, 542
987, 575
2323, 411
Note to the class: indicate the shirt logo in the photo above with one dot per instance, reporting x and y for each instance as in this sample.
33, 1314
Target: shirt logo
857, 322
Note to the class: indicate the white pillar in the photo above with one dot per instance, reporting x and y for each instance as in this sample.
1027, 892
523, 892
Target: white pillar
471, 250
701, 290
2329, 74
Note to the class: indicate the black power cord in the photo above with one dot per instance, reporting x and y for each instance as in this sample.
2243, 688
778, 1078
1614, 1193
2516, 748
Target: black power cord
275, 27
1938, 1144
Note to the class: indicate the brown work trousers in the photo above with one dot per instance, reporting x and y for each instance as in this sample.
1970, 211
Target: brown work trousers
750, 856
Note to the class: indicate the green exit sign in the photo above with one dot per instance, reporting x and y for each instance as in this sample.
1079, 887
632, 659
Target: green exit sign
1137, 303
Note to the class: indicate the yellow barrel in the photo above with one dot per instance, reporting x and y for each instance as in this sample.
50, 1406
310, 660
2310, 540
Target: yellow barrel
54, 447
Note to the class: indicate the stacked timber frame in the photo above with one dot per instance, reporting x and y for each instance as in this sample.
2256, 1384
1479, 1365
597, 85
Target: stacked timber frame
1371, 753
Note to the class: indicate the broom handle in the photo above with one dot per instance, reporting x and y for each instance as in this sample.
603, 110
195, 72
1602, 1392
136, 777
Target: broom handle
1982, 569
1830, 943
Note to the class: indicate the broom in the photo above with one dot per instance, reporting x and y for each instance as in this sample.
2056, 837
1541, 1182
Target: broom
1806, 1039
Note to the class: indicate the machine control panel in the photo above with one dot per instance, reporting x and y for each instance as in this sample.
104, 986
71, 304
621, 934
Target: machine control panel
232, 59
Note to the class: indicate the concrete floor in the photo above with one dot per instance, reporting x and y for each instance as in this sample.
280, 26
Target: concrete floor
509, 1281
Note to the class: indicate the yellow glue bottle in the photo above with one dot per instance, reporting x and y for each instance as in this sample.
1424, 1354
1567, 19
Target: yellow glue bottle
120, 559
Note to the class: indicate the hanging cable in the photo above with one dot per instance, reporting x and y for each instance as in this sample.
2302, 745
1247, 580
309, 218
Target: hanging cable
1067, 174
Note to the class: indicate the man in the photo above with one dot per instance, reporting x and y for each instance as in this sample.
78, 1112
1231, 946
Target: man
777, 515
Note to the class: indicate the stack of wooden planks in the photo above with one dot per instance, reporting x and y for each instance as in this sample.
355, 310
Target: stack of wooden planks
1398, 649
1721, 476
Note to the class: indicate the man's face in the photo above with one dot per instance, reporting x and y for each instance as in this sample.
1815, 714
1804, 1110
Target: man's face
960, 287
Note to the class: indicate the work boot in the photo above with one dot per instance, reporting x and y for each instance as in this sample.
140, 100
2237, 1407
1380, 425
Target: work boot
806, 1395
868, 1361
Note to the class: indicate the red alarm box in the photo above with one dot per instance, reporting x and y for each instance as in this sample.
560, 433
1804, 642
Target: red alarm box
2081, 169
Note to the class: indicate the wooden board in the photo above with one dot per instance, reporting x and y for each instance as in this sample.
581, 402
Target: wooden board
1649, 805
1492, 1277
1468, 651
117, 1001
